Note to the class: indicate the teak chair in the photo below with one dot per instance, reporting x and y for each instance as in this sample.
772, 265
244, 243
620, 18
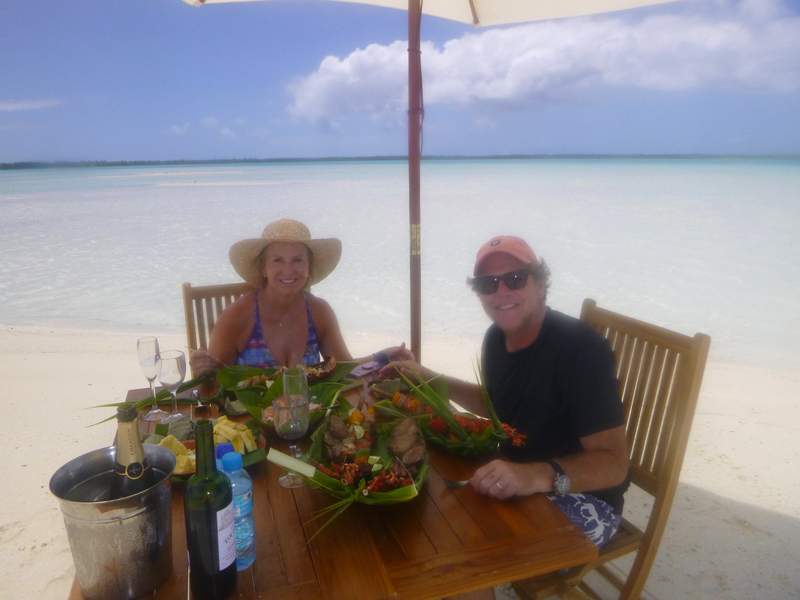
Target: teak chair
202, 306
659, 374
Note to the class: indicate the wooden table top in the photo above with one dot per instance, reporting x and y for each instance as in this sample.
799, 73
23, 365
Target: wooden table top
442, 543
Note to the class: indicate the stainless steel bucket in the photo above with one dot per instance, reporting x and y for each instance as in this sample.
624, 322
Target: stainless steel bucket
122, 548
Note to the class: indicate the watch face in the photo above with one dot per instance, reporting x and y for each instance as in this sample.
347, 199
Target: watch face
561, 484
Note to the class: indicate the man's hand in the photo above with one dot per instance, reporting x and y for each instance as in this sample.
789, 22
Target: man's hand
398, 353
406, 367
503, 479
202, 362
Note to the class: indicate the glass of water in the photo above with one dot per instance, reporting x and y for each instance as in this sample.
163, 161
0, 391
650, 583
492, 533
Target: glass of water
290, 414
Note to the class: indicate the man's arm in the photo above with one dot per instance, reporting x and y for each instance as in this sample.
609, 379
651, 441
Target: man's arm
603, 463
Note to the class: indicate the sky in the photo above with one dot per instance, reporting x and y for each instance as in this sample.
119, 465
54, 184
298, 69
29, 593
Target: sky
162, 80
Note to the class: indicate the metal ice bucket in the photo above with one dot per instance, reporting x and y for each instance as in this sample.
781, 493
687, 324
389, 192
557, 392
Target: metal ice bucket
122, 548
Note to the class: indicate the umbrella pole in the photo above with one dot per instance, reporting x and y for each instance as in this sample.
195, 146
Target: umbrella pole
414, 152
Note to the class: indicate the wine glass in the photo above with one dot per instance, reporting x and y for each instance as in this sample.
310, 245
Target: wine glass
147, 349
290, 415
171, 371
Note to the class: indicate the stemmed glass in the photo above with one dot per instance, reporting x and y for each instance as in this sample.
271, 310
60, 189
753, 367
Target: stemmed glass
147, 349
290, 415
171, 371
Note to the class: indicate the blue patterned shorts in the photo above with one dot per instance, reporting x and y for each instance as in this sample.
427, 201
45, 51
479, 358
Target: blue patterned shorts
591, 515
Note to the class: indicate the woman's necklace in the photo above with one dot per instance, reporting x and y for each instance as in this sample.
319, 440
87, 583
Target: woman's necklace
279, 320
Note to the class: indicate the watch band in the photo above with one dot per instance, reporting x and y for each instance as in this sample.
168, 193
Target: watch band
556, 467
561, 481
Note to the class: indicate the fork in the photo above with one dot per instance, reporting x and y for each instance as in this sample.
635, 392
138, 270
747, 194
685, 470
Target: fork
455, 484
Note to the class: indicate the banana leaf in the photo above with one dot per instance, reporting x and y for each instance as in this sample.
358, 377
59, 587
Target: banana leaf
257, 397
358, 492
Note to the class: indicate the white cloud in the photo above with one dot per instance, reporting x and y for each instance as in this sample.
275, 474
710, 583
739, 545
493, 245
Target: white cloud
19, 105
214, 124
179, 129
750, 45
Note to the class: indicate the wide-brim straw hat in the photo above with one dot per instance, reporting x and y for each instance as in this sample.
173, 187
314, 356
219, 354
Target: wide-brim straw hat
245, 254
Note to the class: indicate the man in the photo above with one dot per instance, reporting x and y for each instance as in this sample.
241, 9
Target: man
551, 377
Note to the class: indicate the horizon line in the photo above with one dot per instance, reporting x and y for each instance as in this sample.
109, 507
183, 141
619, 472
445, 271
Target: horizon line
388, 157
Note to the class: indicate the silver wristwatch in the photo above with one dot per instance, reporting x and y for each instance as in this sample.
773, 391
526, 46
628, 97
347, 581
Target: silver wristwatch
561, 481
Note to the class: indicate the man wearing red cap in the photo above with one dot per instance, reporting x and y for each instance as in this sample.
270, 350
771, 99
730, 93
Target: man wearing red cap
551, 377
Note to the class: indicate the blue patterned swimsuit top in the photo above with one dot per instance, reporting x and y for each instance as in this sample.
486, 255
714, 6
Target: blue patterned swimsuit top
256, 353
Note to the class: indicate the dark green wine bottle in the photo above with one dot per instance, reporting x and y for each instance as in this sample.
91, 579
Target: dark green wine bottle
208, 508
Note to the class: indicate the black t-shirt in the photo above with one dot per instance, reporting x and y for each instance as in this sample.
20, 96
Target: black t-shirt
560, 388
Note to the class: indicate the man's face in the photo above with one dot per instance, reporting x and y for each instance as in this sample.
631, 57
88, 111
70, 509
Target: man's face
511, 310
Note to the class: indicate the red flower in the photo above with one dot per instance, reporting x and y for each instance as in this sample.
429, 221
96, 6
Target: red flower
439, 425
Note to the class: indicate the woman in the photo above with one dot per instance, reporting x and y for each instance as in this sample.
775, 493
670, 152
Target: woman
280, 323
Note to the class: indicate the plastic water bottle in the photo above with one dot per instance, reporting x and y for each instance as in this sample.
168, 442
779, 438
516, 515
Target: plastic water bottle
221, 450
244, 530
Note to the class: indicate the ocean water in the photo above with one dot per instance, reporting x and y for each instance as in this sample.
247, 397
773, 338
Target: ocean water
691, 244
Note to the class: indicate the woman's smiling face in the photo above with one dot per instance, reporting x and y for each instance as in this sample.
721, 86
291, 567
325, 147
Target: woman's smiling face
286, 267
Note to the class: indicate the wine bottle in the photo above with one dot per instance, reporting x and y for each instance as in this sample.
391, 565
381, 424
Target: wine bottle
133, 473
209, 512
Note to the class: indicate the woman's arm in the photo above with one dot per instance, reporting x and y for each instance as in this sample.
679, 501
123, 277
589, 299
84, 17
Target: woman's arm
332, 342
223, 347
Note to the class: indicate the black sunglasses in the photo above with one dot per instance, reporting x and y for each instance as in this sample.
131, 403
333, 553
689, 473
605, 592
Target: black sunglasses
488, 284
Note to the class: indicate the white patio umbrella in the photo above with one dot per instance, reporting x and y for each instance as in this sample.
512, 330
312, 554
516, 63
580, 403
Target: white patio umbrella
481, 13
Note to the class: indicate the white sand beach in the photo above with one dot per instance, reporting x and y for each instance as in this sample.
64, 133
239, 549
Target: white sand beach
733, 532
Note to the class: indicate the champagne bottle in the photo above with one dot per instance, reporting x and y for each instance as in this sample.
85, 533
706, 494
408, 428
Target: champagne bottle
209, 512
132, 471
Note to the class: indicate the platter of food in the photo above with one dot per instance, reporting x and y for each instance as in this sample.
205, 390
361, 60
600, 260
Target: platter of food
245, 438
458, 432
360, 455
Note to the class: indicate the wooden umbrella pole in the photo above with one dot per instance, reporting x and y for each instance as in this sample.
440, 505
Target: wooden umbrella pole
414, 152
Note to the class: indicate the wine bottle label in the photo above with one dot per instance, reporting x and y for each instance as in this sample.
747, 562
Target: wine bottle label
226, 541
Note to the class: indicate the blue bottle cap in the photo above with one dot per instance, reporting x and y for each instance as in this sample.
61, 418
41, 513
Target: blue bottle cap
223, 449
232, 461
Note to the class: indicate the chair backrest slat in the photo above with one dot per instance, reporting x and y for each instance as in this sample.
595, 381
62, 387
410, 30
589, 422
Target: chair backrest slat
658, 373
660, 410
201, 324
203, 306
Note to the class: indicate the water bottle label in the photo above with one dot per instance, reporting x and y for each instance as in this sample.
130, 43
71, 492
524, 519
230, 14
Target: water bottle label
243, 504
226, 541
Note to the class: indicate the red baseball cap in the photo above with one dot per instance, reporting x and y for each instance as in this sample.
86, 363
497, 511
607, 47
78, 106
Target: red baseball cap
507, 244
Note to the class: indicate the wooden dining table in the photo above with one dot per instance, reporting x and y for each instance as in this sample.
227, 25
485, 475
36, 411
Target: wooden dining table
442, 543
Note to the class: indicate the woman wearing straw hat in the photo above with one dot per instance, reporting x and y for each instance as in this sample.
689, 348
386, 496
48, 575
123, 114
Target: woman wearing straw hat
280, 322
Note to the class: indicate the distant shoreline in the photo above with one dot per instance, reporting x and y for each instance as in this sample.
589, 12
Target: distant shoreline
388, 158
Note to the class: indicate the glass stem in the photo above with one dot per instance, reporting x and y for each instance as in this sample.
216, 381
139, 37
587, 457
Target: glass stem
174, 401
294, 450
152, 383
